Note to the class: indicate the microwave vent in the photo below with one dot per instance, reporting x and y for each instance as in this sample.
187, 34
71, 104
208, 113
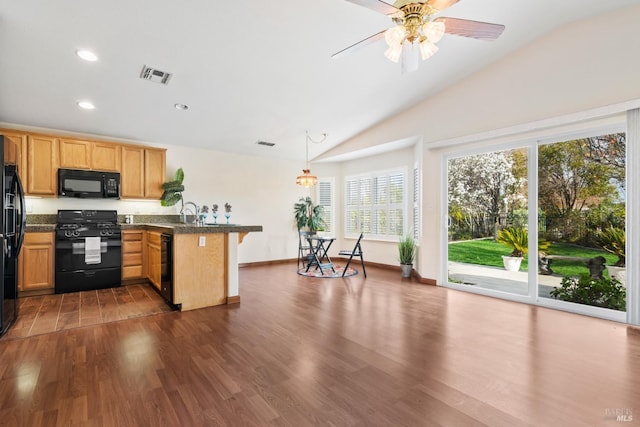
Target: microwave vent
154, 75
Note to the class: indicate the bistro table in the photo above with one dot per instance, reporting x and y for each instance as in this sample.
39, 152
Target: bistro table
319, 253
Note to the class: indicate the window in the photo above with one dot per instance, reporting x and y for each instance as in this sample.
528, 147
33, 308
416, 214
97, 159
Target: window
325, 199
375, 204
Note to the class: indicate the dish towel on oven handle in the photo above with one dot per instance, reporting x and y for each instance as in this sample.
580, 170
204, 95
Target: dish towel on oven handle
92, 250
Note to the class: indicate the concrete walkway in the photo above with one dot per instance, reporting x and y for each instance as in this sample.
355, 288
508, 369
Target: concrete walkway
499, 279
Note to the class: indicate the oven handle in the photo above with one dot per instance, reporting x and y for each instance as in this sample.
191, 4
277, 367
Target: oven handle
71, 243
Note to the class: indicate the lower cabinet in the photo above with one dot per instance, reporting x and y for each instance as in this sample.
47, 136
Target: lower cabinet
154, 262
35, 263
132, 255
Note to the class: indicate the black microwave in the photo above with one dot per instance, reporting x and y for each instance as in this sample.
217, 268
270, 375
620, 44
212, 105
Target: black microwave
88, 184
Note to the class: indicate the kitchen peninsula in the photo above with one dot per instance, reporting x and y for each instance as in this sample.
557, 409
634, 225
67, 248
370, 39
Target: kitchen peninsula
205, 260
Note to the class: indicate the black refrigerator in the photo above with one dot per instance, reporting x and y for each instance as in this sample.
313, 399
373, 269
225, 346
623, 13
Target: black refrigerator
14, 221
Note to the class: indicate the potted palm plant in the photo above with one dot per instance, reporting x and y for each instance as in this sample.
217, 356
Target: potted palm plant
406, 253
613, 240
517, 238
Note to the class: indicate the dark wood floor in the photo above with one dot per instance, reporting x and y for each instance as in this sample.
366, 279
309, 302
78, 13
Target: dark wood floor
302, 351
49, 313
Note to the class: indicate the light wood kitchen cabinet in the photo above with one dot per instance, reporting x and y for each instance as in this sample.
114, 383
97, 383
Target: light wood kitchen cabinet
132, 254
35, 263
105, 156
154, 172
100, 156
13, 145
42, 165
131, 173
154, 252
75, 154
142, 173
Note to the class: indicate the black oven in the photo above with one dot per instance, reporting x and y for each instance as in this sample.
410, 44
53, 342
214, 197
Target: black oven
88, 251
88, 184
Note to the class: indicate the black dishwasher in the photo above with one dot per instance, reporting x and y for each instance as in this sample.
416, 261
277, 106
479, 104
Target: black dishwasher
166, 267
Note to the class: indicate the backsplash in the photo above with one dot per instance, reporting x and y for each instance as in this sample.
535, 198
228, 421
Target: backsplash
137, 219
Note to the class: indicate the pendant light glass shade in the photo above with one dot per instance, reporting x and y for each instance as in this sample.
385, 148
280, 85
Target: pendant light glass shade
306, 179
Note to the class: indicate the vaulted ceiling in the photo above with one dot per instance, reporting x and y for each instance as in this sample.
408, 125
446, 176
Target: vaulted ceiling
249, 71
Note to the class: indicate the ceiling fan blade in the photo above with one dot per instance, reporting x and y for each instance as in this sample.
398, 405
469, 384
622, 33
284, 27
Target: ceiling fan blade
474, 29
378, 6
440, 5
359, 45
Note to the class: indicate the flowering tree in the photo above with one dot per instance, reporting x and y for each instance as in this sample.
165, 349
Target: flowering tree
482, 185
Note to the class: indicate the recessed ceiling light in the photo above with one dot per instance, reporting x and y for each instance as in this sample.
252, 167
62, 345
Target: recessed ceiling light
179, 106
87, 55
86, 105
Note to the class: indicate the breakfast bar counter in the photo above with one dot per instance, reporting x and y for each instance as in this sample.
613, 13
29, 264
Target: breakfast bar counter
205, 261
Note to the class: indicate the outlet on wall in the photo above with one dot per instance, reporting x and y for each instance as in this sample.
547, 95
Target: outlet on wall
202, 241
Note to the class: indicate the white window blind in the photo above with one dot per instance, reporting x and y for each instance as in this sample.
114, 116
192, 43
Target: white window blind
375, 204
325, 199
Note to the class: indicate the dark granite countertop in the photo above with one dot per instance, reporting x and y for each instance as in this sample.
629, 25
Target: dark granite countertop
171, 228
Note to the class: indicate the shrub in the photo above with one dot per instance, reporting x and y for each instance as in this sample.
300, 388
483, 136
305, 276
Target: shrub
606, 293
516, 238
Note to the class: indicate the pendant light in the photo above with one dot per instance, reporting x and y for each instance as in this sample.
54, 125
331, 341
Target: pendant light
306, 179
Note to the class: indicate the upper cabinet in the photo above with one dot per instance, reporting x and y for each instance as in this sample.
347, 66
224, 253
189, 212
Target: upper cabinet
77, 154
42, 165
105, 156
38, 157
154, 172
13, 145
132, 173
142, 172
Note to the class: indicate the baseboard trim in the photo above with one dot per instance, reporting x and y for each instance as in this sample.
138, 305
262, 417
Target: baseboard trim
414, 273
233, 300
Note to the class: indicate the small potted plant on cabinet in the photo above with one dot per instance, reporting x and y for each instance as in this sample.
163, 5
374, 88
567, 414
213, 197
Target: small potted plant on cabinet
517, 238
407, 253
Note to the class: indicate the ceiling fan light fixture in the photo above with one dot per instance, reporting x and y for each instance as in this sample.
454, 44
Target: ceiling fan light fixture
393, 52
427, 49
395, 35
433, 30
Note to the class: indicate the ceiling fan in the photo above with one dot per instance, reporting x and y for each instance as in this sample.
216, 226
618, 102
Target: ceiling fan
417, 31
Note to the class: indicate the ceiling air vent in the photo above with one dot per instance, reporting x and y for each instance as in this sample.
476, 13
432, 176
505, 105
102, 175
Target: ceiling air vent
154, 75
266, 144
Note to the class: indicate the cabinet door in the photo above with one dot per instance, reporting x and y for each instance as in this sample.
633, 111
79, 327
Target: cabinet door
42, 165
154, 172
132, 173
35, 263
105, 156
13, 143
154, 265
75, 154
132, 254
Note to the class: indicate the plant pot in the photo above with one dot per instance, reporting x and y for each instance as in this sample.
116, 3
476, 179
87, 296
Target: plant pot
619, 273
511, 263
406, 269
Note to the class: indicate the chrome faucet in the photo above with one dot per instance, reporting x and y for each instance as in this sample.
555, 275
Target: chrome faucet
195, 212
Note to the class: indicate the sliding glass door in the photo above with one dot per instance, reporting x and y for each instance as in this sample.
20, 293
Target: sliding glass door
542, 223
488, 215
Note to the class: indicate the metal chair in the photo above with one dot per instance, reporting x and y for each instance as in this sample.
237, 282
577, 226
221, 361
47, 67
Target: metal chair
305, 251
357, 251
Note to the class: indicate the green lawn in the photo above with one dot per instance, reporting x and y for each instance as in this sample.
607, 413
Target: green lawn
489, 252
